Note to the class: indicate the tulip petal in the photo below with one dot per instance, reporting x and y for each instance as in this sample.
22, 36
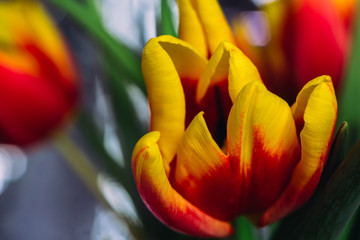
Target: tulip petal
20, 62
315, 109
227, 62
21, 96
205, 14
215, 25
163, 201
190, 27
165, 60
346, 11
203, 174
262, 145
198, 153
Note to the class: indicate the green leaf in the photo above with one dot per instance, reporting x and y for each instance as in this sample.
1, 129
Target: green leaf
349, 109
95, 141
336, 155
327, 213
167, 26
119, 53
130, 128
351, 231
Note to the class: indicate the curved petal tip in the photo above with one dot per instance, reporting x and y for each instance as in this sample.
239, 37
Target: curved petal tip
163, 201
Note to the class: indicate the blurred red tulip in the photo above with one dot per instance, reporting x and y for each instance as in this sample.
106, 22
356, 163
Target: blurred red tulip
38, 81
307, 39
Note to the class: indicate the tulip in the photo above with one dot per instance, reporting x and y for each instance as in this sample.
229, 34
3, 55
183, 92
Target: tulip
307, 39
222, 145
259, 157
38, 82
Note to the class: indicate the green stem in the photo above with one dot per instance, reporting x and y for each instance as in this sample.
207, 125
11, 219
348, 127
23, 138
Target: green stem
85, 170
243, 229
79, 163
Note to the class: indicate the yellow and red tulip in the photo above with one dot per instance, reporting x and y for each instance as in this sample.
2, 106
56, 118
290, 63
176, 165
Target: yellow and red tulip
38, 81
308, 39
222, 145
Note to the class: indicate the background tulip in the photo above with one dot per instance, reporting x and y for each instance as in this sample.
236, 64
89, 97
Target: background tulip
38, 81
306, 39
